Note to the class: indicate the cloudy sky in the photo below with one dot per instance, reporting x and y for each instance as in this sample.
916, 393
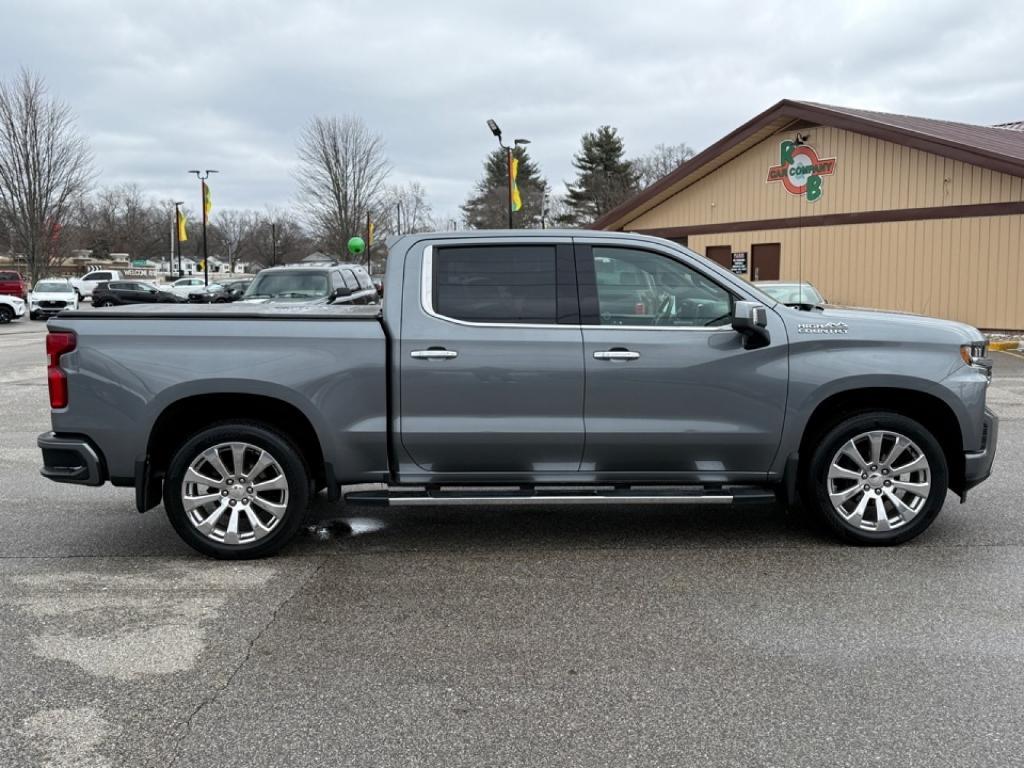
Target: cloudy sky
160, 88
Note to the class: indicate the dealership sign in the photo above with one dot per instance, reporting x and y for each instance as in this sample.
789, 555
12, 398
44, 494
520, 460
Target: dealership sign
800, 169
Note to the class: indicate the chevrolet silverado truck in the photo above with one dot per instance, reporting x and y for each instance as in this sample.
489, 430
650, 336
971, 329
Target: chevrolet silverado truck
543, 367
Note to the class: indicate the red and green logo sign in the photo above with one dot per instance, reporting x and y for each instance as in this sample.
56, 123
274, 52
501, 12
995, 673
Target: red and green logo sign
800, 169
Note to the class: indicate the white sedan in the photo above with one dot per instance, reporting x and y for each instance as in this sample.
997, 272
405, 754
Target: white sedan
185, 286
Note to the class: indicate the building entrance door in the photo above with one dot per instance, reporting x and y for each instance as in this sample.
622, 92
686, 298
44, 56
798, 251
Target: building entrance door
721, 255
764, 261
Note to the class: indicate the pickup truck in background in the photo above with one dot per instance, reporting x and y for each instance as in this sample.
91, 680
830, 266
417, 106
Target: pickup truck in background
86, 284
547, 367
12, 284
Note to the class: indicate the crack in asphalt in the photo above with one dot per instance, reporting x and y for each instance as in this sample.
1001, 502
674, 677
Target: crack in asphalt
186, 725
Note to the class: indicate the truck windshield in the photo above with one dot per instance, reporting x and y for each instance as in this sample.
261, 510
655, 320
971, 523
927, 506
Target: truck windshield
288, 285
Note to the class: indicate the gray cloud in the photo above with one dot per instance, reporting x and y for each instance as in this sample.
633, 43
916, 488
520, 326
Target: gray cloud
160, 88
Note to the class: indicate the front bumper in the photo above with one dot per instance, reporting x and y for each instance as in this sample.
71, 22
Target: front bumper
978, 464
71, 459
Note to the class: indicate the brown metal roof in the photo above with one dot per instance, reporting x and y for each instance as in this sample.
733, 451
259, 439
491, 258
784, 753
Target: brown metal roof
995, 147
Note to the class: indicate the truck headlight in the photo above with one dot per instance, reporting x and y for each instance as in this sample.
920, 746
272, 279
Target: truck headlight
975, 355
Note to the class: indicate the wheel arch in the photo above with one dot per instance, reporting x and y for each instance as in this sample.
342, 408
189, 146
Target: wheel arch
928, 409
182, 417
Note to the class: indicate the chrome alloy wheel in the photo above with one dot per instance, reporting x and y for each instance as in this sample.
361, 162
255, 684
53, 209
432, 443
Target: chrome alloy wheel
879, 481
234, 493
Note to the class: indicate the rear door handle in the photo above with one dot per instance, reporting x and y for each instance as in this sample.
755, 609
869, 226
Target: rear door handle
616, 354
434, 354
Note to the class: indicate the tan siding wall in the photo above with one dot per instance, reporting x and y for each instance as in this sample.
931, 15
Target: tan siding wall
870, 174
962, 269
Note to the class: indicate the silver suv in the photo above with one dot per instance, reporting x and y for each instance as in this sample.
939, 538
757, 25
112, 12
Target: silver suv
320, 283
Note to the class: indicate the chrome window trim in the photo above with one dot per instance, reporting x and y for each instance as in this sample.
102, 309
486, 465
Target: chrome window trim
427, 305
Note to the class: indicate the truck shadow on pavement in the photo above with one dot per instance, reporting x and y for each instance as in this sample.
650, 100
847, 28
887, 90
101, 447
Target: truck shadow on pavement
643, 527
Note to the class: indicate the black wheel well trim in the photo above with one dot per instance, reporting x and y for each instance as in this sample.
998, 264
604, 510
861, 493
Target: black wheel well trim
928, 409
185, 416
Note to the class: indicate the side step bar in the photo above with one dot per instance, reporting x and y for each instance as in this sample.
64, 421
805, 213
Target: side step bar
401, 497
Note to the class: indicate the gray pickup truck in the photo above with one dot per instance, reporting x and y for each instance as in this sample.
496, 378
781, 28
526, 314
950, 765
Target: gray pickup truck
544, 367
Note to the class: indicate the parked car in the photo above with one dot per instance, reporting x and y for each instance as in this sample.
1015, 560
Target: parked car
51, 296
11, 308
120, 292
792, 294
236, 288
313, 284
183, 287
12, 284
86, 284
495, 363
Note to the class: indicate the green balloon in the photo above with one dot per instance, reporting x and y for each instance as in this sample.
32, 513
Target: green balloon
356, 245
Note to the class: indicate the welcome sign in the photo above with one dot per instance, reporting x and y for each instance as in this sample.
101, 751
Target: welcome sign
800, 170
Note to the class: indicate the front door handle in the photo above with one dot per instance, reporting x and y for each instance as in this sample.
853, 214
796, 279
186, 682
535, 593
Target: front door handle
434, 353
616, 354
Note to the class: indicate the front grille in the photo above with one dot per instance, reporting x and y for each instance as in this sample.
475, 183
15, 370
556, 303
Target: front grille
53, 304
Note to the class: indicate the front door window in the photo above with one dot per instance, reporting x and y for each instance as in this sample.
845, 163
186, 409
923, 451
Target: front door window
641, 288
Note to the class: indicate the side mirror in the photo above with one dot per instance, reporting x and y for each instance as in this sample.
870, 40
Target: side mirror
341, 292
750, 319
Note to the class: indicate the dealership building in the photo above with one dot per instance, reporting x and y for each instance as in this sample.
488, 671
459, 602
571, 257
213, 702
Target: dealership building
874, 209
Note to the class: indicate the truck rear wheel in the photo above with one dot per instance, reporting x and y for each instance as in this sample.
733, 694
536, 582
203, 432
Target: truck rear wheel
877, 478
237, 490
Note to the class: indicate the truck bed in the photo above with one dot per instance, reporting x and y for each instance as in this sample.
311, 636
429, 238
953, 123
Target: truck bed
136, 367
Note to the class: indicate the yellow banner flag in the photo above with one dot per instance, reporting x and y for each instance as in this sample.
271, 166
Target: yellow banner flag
182, 228
517, 201
207, 199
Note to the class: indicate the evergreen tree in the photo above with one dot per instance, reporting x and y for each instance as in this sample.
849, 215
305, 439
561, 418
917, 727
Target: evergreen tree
487, 207
604, 178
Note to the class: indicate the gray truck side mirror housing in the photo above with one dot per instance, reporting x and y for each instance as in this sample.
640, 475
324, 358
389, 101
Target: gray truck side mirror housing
750, 319
341, 292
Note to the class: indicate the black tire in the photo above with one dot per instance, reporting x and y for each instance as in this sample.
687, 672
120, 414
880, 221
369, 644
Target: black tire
283, 451
815, 485
103, 303
6, 314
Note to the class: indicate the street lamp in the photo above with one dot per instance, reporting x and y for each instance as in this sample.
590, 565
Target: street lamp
177, 235
508, 161
202, 202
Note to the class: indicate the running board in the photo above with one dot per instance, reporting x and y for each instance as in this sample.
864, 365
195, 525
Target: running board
533, 497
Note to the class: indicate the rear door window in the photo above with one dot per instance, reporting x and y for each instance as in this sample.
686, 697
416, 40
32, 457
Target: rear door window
497, 283
98, 276
350, 280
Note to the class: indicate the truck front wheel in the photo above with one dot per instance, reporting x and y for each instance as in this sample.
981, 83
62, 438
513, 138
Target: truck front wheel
237, 490
877, 478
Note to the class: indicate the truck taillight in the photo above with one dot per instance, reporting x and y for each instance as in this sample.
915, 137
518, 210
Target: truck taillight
57, 344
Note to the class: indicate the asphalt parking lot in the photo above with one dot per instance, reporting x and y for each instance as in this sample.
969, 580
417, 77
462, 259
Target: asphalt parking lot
640, 636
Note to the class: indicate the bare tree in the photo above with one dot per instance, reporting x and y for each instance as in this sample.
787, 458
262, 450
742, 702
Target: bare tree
280, 239
45, 166
342, 173
661, 161
235, 232
405, 210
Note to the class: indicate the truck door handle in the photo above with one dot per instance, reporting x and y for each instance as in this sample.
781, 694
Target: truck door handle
616, 354
434, 353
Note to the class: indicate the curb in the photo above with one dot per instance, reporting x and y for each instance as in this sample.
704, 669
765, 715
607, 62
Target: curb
1004, 346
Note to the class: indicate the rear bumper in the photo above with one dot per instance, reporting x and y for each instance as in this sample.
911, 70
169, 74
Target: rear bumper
978, 464
71, 459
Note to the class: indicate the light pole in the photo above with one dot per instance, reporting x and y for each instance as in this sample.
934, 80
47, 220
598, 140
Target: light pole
177, 235
508, 161
202, 201
273, 243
